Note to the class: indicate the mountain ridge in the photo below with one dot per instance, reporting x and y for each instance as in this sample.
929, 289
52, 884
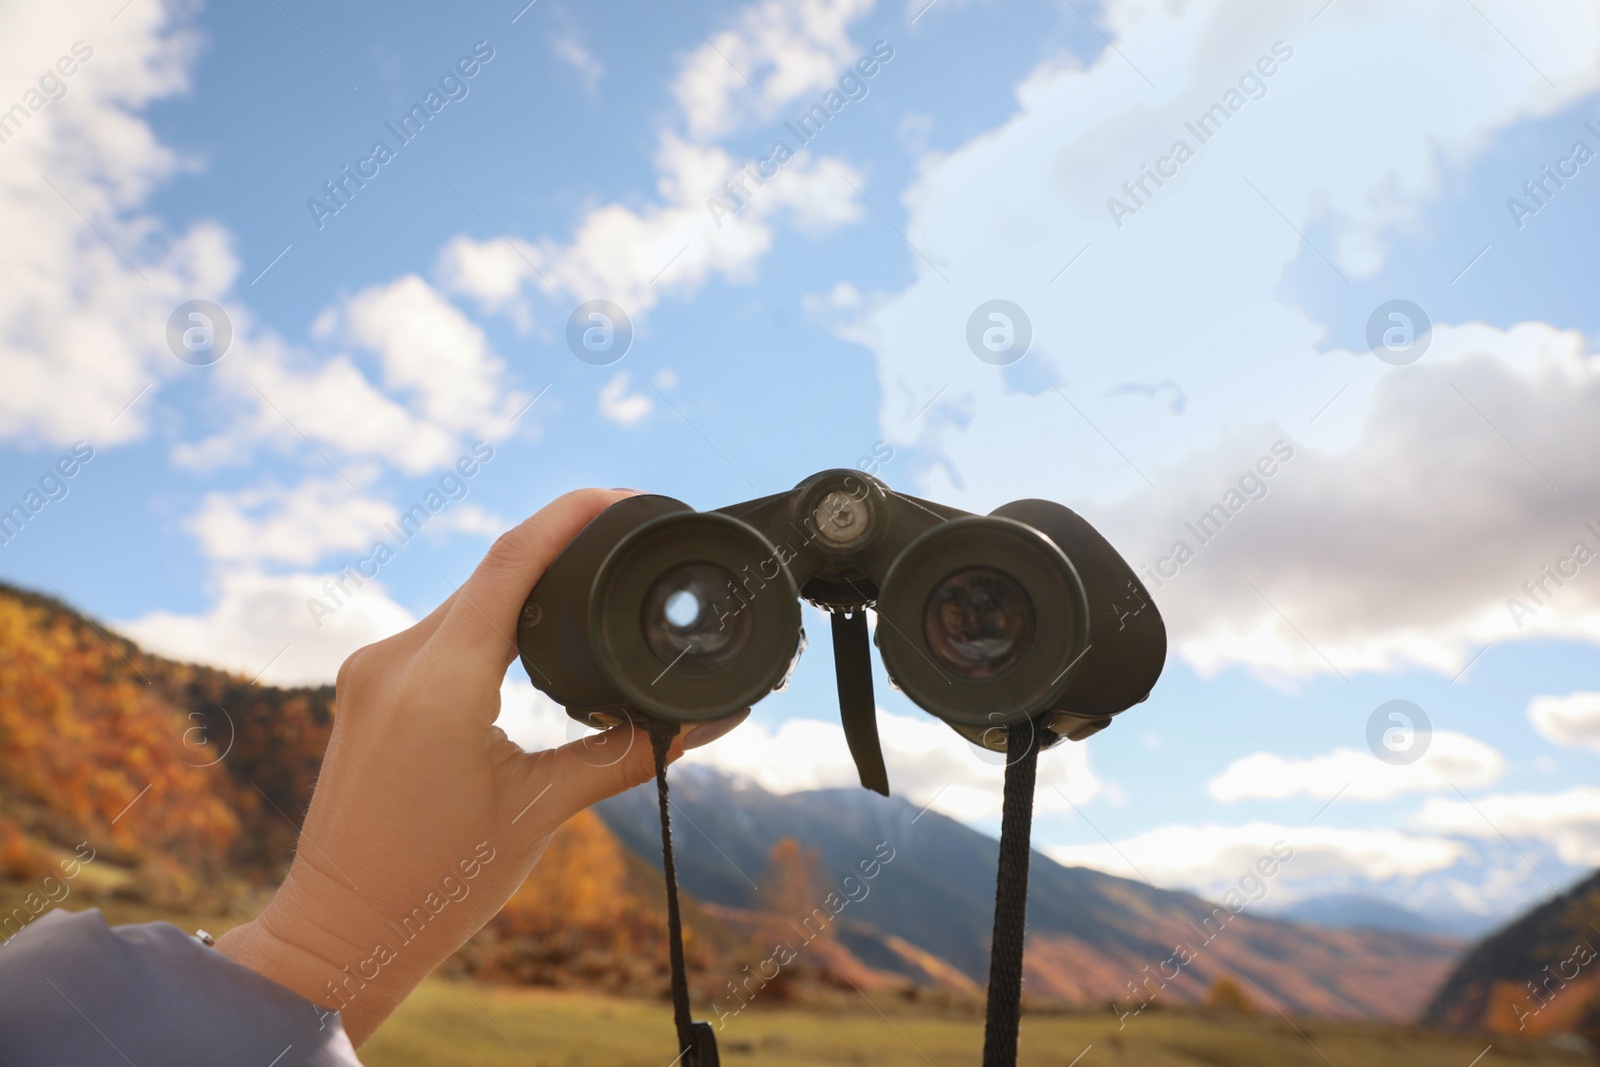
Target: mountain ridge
1093, 937
1538, 974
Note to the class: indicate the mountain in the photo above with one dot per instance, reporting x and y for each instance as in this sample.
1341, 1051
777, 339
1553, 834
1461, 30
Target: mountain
189, 783
1356, 911
1093, 937
1538, 975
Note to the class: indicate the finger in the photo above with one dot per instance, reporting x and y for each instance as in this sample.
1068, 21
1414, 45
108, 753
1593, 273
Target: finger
706, 732
413, 636
584, 772
479, 630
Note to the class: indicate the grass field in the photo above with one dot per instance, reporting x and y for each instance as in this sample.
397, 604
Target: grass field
465, 1024
456, 1024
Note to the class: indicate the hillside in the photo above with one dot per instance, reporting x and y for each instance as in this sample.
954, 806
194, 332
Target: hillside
185, 785
186, 776
188, 783
1090, 934
1538, 975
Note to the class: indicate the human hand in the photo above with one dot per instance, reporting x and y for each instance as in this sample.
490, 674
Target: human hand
426, 817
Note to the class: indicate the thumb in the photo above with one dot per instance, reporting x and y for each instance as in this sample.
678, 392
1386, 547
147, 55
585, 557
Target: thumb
478, 631
586, 771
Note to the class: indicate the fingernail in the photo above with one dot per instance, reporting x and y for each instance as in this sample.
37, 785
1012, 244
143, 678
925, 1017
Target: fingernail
706, 732
625, 489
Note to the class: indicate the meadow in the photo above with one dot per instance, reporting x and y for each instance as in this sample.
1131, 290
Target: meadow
448, 1023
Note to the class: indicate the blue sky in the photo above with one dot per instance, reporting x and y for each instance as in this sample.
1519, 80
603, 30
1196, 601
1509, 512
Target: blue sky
825, 323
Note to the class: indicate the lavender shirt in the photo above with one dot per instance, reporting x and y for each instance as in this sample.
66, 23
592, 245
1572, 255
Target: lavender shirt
74, 990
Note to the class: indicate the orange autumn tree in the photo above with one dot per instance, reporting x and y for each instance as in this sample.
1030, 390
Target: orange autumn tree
587, 914
83, 737
191, 775
792, 893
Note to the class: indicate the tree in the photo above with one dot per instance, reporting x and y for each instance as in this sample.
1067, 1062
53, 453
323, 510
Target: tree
791, 893
1226, 995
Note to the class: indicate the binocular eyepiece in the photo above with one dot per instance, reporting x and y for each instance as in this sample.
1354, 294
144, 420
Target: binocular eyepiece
983, 620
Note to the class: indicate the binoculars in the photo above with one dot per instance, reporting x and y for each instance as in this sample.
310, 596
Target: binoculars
984, 621
1018, 629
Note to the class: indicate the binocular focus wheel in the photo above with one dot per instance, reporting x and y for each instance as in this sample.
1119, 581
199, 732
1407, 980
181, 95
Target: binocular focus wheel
694, 616
982, 621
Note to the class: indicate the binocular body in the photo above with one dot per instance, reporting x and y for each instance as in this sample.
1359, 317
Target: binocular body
983, 621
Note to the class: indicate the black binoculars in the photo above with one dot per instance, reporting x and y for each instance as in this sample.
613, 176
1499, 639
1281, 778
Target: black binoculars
1017, 628
1025, 614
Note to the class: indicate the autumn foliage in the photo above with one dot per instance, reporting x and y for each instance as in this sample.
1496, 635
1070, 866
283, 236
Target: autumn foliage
163, 767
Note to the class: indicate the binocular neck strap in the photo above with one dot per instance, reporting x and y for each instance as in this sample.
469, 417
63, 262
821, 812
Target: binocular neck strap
697, 1042
1004, 1017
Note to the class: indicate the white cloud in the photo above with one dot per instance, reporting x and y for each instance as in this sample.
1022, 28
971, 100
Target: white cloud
308, 522
1359, 594
787, 49
532, 719
1374, 600
491, 272
928, 763
1451, 759
588, 69
1415, 561
440, 386
289, 394
299, 525
262, 621
634, 255
1572, 721
431, 351
1209, 859
82, 329
471, 519
87, 283
619, 405
1568, 821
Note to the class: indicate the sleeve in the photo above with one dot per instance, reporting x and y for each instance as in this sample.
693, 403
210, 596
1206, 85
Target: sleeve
74, 990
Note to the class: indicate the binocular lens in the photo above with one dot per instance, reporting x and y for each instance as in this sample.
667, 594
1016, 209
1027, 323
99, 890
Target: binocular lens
979, 622
685, 623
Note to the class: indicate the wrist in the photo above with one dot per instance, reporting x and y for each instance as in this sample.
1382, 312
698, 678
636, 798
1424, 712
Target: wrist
313, 946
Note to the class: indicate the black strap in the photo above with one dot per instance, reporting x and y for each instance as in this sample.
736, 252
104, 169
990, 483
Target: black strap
852, 665
1011, 898
697, 1042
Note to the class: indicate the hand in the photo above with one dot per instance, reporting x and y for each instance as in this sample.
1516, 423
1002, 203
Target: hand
426, 817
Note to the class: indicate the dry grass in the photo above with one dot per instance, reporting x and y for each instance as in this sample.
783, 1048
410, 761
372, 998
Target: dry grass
446, 1024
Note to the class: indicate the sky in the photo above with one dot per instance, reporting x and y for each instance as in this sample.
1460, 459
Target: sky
273, 273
